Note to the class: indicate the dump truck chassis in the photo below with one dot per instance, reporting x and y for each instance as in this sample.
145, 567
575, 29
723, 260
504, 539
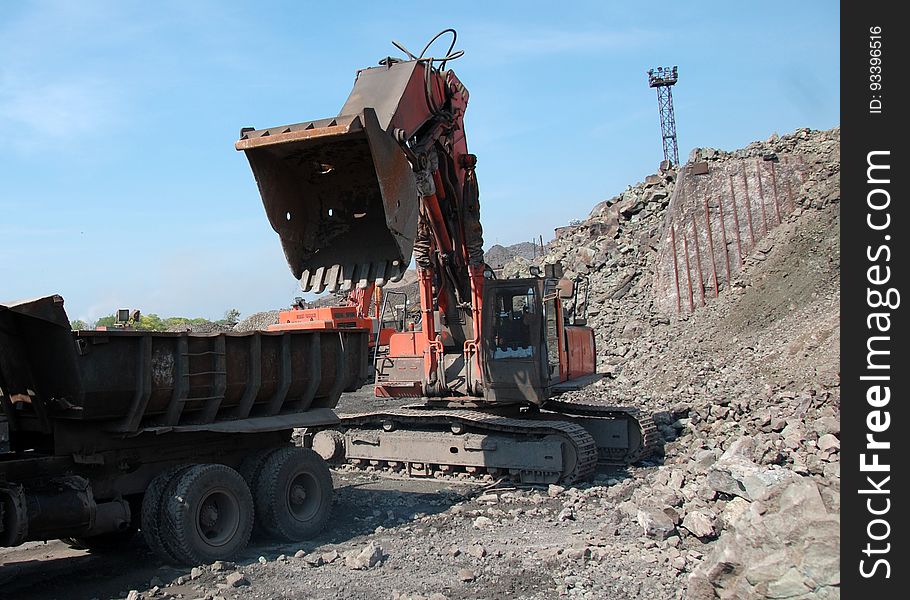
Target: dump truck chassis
102, 504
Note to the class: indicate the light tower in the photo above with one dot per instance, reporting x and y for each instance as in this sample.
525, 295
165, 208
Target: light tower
663, 78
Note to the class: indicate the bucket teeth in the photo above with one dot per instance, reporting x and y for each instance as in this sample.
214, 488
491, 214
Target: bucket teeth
345, 278
318, 284
378, 274
331, 278
362, 276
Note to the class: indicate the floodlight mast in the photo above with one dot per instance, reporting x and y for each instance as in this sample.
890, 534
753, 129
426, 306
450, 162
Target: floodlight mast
663, 78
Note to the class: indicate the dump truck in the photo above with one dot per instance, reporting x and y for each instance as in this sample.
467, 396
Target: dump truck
183, 437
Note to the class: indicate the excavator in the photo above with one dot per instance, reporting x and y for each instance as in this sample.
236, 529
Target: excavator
354, 198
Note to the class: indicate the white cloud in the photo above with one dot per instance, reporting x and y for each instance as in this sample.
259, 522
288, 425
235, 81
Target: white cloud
50, 95
56, 111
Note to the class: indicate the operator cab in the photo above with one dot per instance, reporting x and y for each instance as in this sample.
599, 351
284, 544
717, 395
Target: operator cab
531, 346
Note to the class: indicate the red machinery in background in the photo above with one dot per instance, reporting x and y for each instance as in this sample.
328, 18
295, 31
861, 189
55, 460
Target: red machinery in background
364, 308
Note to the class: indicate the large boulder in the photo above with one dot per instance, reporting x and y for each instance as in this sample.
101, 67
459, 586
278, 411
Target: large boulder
656, 523
787, 546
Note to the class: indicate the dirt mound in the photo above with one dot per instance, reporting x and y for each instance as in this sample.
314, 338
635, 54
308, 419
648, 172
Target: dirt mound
258, 321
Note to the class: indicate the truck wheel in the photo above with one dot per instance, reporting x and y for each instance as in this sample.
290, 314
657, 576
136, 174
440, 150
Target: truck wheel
293, 494
252, 464
209, 515
250, 469
150, 516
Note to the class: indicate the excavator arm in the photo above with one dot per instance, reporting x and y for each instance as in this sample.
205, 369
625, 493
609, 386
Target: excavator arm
353, 197
344, 193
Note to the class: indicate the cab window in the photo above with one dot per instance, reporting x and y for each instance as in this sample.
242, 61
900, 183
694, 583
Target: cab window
513, 313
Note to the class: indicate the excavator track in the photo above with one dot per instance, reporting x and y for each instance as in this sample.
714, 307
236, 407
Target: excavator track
641, 446
483, 443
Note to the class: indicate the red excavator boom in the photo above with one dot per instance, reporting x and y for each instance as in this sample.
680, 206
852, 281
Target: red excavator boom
352, 196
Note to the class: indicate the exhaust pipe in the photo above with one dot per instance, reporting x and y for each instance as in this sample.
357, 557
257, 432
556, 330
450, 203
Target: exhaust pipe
57, 508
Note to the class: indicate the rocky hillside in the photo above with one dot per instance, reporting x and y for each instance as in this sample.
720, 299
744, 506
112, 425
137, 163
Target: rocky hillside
498, 256
746, 389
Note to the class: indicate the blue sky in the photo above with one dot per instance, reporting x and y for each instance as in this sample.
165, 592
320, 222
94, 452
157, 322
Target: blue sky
120, 187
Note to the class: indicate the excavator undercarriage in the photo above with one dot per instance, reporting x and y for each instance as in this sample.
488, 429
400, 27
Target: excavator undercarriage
532, 447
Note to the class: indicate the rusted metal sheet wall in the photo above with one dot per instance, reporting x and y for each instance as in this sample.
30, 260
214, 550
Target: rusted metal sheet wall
718, 214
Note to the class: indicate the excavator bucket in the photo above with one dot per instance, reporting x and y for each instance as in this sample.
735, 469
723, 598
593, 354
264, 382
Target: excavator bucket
342, 196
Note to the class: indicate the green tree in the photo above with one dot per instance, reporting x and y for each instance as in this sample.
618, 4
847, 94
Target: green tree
150, 322
78, 324
153, 322
107, 321
181, 323
232, 315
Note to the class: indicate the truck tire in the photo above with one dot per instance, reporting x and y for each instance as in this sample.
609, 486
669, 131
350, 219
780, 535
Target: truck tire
252, 464
209, 515
250, 469
293, 494
150, 517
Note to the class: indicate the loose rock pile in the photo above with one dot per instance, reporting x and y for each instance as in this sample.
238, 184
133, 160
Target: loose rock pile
746, 393
258, 321
207, 327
